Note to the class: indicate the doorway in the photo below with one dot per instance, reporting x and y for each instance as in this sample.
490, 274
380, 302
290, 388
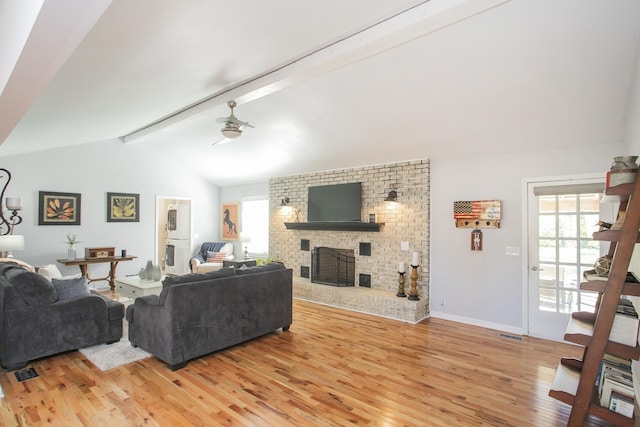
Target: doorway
168, 208
562, 215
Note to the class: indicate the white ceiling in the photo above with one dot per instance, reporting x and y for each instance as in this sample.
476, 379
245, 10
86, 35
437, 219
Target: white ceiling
441, 79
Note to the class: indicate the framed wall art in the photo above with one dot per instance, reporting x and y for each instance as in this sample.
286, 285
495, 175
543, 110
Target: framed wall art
56, 208
230, 221
123, 207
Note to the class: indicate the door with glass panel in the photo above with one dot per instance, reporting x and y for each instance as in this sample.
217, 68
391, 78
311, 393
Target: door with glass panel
562, 219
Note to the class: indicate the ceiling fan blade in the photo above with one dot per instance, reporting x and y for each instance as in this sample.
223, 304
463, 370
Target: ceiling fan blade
221, 141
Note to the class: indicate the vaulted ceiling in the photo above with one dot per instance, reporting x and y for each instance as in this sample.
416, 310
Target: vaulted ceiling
327, 85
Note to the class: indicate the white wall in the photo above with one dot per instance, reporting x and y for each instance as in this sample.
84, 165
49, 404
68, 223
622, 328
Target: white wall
632, 131
236, 193
486, 288
93, 170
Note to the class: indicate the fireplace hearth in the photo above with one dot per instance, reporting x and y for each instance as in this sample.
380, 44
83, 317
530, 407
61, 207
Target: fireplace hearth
335, 267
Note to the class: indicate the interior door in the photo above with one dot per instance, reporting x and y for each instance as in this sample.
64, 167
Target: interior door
562, 216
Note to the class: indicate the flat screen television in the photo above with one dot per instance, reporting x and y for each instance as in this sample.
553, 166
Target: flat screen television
337, 202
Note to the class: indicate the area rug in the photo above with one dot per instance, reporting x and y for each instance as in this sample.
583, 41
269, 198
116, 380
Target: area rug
109, 356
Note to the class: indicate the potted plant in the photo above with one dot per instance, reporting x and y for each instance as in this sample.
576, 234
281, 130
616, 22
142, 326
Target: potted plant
72, 239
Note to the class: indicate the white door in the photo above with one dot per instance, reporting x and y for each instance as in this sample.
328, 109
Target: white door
562, 216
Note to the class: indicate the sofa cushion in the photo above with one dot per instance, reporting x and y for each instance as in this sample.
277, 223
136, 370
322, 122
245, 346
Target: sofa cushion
277, 265
192, 278
33, 288
70, 288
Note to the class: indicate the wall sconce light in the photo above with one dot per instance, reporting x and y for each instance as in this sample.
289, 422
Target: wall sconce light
392, 196
284, 201
14, 204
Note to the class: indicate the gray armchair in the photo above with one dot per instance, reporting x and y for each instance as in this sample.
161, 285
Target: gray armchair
35, 322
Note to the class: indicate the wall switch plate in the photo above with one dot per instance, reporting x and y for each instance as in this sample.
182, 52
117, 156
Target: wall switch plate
512, 250
404, 246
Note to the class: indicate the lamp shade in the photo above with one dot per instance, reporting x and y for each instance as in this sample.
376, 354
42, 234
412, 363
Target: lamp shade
14, 203
10, 243
244, 237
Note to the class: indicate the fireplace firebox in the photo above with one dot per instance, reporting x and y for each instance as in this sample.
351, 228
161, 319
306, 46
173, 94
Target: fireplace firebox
335, 267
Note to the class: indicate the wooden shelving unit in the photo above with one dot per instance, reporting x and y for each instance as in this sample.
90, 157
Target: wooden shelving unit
575, 380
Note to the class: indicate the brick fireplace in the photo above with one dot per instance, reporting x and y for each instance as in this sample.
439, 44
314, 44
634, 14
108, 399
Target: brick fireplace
376, 253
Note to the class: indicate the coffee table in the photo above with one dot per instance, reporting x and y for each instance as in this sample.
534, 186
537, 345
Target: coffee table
133, 287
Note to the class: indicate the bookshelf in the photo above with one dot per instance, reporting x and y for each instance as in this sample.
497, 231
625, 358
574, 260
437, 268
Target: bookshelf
575, 380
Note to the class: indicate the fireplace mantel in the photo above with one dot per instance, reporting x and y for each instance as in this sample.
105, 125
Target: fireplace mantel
334, 226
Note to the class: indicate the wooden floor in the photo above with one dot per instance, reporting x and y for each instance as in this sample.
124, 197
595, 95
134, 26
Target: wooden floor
332, 368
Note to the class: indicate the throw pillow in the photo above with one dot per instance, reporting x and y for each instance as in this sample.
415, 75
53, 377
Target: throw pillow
33, 288
216, 256
70, 288
49, 271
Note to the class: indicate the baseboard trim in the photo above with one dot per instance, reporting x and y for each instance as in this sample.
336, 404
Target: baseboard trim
475, 322
361, 311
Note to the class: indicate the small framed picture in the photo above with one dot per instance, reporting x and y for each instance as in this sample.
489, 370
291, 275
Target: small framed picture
123, 207
230, 221
56, 208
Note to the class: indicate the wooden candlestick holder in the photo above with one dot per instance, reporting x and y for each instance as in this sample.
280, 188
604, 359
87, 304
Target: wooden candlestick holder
413, 291
401, 285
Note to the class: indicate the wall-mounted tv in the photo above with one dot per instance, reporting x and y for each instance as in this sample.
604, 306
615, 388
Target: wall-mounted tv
337, 202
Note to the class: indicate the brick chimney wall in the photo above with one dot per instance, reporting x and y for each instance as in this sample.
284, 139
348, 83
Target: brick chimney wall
407, 220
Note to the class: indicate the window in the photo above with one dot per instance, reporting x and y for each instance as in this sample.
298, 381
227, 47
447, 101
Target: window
255, 225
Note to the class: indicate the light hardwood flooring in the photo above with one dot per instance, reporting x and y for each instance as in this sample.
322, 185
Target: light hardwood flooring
332, 368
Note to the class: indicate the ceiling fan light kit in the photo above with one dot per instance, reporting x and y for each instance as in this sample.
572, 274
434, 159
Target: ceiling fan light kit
231, 131
232, 125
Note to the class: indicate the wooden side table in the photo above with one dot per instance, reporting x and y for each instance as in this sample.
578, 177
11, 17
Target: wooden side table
238, 263
83, 263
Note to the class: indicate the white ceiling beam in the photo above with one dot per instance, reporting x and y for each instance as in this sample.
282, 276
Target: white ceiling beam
401, 28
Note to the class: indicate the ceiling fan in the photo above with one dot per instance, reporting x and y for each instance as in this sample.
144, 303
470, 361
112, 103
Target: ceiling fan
232, 126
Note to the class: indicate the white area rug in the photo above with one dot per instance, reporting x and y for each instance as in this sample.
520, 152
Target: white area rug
109, 356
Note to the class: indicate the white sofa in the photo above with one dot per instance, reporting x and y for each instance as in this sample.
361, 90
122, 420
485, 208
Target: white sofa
199, 262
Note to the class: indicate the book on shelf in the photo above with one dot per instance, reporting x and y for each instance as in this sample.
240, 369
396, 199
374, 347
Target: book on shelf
621, 404
625, 324
613, 382
611, 363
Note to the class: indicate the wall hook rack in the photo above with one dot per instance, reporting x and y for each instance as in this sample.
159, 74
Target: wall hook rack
477, 214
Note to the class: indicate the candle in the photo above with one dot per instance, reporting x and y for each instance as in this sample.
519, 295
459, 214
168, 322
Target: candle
14, 203
414, 260
401, 267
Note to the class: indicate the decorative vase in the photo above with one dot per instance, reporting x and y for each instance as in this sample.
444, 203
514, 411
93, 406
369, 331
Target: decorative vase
71, 253
148, 270
141, 274
624, 162
157, 273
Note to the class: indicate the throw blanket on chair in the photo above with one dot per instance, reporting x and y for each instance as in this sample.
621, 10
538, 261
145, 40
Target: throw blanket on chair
208, 247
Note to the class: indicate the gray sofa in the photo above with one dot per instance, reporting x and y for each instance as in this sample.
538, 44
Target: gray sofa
197, 314
38, 319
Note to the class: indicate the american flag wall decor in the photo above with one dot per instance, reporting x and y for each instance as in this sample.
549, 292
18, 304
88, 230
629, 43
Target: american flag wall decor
477, 214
